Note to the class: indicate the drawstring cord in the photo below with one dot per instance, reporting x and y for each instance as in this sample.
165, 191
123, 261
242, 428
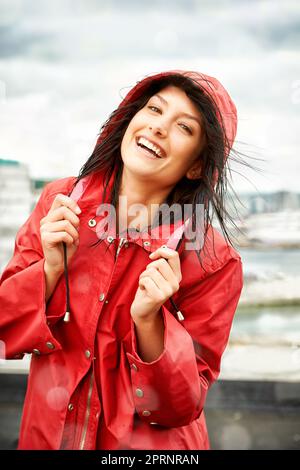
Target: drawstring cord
178, 312
67, 313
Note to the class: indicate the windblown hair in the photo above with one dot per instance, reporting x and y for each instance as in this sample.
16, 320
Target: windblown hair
209, 190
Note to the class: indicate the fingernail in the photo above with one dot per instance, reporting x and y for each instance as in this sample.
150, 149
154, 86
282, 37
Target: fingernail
78, 210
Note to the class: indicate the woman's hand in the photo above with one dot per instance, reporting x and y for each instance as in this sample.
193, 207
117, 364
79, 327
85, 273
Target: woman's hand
60, 225
157, 283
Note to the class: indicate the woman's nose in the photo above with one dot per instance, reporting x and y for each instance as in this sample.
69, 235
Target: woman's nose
158, 129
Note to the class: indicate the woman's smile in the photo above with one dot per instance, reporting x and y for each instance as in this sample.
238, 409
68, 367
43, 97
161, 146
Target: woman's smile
143, 151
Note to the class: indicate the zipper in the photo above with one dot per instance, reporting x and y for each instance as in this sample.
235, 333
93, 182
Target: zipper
122, 240
87, 413
88, 408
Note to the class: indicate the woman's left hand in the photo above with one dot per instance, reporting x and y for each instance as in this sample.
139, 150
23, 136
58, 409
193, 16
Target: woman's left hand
157, 283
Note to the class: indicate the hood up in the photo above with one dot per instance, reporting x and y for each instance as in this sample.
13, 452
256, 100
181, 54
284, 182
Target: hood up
226, 109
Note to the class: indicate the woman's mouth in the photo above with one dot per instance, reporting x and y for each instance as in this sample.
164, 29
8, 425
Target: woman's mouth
146, 151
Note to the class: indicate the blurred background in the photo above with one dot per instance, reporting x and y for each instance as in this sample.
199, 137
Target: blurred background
66, 64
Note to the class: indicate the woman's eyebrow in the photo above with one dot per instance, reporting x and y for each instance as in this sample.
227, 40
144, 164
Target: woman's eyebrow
182, 114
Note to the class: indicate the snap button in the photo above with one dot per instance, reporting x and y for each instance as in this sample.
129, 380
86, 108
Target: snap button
146, 243
92, 222
70, 407
36, 351
87, 354
139, 392
134, 367
101, 296
110, 239
50, 345
146, 413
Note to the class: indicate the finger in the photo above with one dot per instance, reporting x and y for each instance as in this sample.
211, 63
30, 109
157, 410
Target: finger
152, 290
63, 200
161, 283
60, 213
171, 256
54, 238
61, 226
167, 272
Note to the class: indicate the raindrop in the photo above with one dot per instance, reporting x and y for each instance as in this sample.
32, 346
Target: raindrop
235, 437
57, 398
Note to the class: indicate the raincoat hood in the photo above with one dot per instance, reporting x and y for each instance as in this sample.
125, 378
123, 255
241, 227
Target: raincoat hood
226, 109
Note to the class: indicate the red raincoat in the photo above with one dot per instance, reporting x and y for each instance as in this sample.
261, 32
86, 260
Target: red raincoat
87, 387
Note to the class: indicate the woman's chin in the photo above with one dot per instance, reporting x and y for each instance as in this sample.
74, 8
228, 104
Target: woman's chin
136, 167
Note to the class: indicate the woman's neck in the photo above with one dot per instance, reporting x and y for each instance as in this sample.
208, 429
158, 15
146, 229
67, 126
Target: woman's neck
145, 196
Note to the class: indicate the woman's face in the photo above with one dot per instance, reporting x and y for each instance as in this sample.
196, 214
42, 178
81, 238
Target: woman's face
177, 137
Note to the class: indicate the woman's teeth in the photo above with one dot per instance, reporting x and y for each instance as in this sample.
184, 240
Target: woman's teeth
143, 142
150, 153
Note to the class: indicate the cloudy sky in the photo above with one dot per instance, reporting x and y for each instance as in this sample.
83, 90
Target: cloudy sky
66, 64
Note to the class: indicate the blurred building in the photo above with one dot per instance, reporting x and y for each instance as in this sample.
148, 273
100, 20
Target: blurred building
255, 203
15, 203
18, 196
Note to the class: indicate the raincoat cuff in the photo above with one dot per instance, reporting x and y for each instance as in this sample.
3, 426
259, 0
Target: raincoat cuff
175, 337
33, 334
167, 391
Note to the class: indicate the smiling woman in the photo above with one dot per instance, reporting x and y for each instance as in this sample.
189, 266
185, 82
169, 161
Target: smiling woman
116, 363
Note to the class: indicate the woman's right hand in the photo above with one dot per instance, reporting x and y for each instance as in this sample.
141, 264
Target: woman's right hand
61, 224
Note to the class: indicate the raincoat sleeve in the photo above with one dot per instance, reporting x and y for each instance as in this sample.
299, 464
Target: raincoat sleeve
174, 386
23, 321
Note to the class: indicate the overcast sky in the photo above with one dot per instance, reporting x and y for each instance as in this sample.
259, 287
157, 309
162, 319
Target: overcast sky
66, 64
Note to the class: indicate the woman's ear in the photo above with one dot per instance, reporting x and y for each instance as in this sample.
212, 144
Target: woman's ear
194, 172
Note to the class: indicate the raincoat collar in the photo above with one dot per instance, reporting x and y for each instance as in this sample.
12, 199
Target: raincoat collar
166, 234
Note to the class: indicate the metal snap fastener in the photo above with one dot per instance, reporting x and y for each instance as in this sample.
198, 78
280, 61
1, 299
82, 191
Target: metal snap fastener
110, 239
70, 407
146, 413
134, 367
139, 392
87, 354
92, 222
36, 351
50, 345
101, 296
146, 243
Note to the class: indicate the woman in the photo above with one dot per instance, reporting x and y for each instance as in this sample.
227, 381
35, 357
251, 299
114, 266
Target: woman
127, 319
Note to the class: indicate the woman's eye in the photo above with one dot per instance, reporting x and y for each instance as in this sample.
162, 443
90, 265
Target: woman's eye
186, 128
153, 107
